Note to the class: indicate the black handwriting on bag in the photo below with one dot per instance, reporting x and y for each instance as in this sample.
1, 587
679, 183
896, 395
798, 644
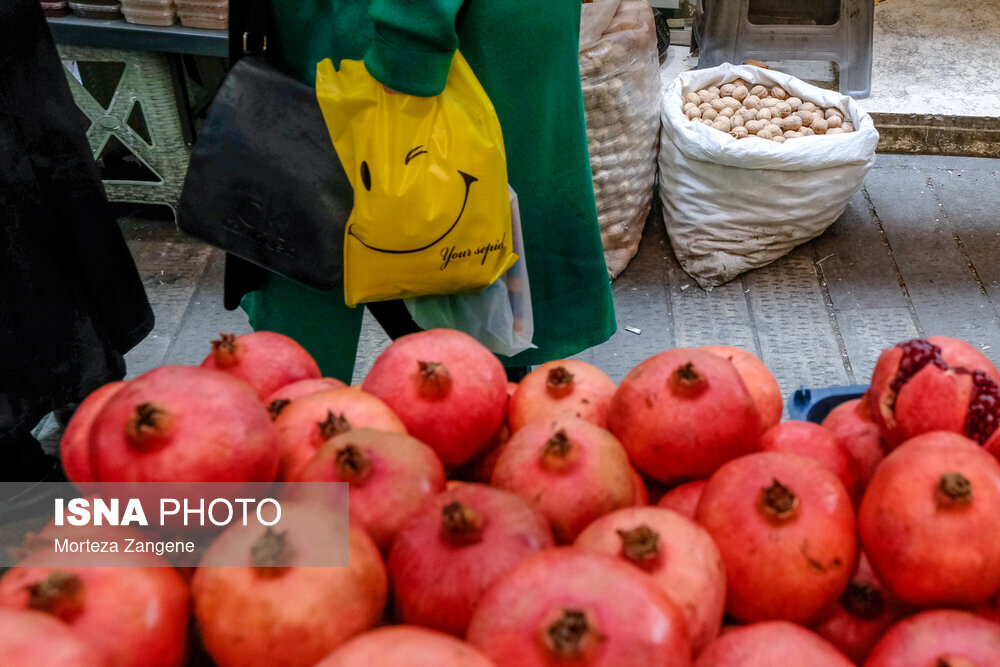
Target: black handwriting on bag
452, 254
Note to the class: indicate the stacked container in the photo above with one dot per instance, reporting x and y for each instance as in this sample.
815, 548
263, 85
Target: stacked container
211, 14
102, 10
149, 12
55, 8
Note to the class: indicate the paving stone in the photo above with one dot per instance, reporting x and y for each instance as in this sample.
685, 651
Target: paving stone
970, 199
170, 271
642, 301
934, 264
858, 267
370, 344
798, 339
867, 332
205, 317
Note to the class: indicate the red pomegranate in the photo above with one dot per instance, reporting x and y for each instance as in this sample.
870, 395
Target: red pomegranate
391, 475
771, 643
74, 448
565, 388
683, 413
183, 424
273, 611
862, 616
641, 492
939, 638
455, 547
265, 360
568, 469
679, 555
35, 639
957, 352
990, 610
305, 424
929, 521
568, 606
815, 442
449, 390
758, 379
786, 530
280, 399
480, 468
858, 434
916, 388
129, 613
405, 645
683, 499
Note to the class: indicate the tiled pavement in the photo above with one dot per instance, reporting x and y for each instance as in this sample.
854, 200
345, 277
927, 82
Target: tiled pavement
917, 252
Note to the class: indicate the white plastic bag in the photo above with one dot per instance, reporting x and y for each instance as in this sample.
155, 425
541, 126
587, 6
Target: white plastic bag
619, 72
498, 316
733, 205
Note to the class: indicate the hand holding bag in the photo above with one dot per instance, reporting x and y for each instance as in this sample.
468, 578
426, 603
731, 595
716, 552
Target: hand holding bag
431, 208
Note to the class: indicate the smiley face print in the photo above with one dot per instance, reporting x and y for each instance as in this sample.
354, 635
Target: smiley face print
381, 230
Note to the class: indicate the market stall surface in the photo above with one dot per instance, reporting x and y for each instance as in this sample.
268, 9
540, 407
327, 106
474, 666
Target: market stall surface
915, 254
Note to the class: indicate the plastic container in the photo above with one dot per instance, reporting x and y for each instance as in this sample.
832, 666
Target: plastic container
56, 9
146, 4
211, 19
814, 405
199, 5
97, 11
161, 16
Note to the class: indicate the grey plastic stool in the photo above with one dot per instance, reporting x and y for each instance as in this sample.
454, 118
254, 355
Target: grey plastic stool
728, 36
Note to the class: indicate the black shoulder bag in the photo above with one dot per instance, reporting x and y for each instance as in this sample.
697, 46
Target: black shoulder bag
264, 182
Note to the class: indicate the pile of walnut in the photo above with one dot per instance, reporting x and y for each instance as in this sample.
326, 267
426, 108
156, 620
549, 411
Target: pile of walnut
744, 110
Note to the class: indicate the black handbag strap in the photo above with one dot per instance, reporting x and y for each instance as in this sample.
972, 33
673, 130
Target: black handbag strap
251, 29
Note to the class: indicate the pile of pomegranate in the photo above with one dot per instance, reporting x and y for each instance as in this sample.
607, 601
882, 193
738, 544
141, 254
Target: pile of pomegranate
673, 519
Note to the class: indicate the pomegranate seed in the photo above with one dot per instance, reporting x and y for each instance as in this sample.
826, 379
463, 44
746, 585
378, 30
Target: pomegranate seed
983, 415
917, 353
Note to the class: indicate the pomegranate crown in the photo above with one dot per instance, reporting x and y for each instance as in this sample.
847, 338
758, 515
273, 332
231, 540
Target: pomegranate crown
227, 350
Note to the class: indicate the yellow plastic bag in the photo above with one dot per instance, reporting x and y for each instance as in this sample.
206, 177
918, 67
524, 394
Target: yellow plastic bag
431, 208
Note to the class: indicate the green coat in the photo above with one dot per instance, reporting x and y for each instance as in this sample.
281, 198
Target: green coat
526, 57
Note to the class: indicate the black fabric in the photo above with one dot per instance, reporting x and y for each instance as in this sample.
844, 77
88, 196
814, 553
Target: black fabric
71, 300
393, 317
264, 182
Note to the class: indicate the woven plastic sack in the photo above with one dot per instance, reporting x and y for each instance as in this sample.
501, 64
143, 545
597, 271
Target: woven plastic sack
619, 69
733, 205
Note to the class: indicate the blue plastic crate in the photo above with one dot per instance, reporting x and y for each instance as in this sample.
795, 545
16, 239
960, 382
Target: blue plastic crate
815, 404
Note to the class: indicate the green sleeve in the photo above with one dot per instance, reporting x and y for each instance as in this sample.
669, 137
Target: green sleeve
413, 44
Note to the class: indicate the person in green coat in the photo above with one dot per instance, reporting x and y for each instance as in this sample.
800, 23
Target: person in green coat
526, 58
